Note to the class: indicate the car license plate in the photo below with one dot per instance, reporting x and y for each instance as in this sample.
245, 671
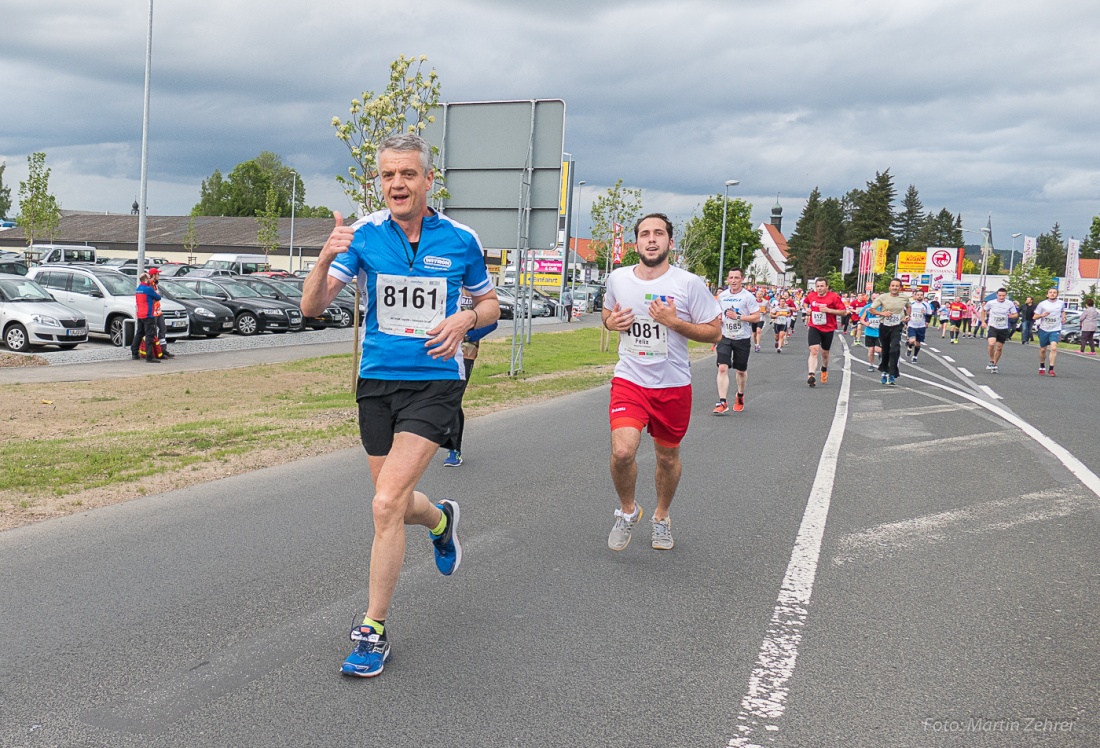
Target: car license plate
227, 324
77, 332
177, 323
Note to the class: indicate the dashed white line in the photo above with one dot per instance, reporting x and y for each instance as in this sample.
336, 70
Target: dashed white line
934, 350
965, 372
989, 391
766, 698
948, 359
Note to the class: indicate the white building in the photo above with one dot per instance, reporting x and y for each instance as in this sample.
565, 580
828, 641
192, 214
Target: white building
771, 265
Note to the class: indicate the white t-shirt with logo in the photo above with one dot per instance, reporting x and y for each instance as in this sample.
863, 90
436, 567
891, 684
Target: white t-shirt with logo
651, 355
741, 302
917, 310
998, 313
1053, 322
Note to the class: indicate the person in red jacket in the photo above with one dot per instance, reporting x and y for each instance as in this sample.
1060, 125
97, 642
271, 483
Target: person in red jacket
824, 307
145, 296
162, 330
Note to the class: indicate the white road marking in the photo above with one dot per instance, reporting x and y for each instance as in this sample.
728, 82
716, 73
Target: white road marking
989, 391
881, 541
1074, 465
875, 415
987, 437
934, 350
966, 372
766, 699
948, 359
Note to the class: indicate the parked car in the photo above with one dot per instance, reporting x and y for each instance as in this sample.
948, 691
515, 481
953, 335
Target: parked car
204, 272
105, 297
177, 269
238, 264
121, 263
551, 302
272, 274
1071, 330
292, 294
29, 316
208, 317
13, 267
588, 298
252, 312
344, 302
50, 254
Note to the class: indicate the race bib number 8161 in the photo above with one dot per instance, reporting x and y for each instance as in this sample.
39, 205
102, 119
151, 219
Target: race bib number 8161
409, 306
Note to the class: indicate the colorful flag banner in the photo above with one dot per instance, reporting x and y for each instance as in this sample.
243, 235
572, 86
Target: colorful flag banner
1073, 265
617, 244
848, 261
881, 245
1031, 246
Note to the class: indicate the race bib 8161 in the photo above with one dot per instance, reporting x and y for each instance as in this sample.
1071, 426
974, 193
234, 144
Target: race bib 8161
409, 306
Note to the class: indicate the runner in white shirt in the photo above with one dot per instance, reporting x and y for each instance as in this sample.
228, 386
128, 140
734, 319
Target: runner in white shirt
657, 308
998, 316
740, 313
1051, 315
918, 324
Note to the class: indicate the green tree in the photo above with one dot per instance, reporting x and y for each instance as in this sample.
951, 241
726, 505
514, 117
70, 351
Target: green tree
39, 211
244, 191
873, 214
190, 239
1090, 246
403, 107
617, 205
703, 241
1029, 279
801, 239
1051, 251
267, 236
5, 194
817, 244
940, 230
908, 223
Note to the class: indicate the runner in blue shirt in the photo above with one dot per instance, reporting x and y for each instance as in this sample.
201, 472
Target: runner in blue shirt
411, 264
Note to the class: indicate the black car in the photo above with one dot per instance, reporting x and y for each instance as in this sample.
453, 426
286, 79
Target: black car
292, 294
13, 267
344, 302
177, 269
252, 312
208, 317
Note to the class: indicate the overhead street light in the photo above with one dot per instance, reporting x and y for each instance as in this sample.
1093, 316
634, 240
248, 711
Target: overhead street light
722, 248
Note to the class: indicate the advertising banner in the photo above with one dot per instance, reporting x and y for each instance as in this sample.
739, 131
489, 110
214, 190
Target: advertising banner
548, 266
1073, 267
1031, 246
542, 279
881, 245
911, 262
617, 245
865, 257
849, 260
946, 260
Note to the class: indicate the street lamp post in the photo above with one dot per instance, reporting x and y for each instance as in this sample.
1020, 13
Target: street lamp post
1012, 257
576, 235
293, 199
722, 248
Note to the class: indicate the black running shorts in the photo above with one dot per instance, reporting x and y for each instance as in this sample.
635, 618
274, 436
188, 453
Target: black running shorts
734, 353
429, 409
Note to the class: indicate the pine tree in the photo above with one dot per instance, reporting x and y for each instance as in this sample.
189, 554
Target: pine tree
908, 222
1051, 252
801, 240
873, 214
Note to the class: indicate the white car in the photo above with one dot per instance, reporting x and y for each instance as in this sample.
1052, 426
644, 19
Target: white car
29, 316
105, 297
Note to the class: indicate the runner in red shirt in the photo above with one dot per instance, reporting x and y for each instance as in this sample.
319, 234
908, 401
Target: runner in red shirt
955, 313
823, 307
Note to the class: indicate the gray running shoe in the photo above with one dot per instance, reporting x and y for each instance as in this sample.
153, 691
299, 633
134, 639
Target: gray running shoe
662, 534
624, 525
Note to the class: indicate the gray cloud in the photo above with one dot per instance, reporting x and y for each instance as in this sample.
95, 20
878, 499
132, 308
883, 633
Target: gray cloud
986, 108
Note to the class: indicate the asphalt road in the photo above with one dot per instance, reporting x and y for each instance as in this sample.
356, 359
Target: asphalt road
943, 543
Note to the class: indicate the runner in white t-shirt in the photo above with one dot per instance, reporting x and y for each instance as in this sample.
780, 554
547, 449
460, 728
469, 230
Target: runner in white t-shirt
1051, 315
740, 313
656, 308
918, 324
998, 316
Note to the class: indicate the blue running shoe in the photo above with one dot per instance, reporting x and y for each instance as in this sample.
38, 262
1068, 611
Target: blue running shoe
884, 379
368, 659
448, 551
453, 459
891, 383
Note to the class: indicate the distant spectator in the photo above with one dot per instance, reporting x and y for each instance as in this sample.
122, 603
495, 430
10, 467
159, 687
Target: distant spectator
567, 302
146, 297
1090, 315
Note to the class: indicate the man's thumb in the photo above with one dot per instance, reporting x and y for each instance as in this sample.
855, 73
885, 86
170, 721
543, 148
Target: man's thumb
339, 218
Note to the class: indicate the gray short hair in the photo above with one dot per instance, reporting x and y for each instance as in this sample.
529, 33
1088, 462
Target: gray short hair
407, 143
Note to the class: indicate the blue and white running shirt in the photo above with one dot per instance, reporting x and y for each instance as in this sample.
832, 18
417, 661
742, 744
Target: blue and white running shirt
409, 292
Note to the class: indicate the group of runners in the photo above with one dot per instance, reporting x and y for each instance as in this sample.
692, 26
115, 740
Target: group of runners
413, 264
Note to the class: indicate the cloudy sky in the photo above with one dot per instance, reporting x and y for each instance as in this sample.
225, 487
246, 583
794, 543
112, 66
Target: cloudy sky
987, 107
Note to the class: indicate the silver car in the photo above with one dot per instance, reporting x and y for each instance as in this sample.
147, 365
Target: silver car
29, 316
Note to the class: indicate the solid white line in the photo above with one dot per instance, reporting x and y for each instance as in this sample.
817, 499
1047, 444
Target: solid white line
1075, 466
989, 391
766, 698
967, 373
948, 359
